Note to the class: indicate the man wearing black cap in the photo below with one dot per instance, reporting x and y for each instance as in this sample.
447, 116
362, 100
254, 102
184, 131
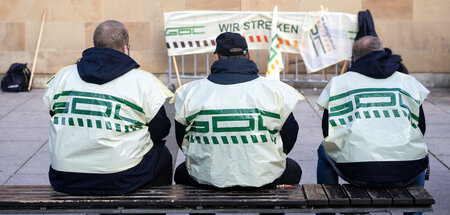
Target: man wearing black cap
236, 127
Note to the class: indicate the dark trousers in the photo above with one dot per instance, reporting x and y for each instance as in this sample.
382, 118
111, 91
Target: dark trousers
163, 175
291, 175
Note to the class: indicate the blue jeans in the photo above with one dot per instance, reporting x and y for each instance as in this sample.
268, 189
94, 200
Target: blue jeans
328, 173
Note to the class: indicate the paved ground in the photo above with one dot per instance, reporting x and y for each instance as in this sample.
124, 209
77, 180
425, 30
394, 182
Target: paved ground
24, 152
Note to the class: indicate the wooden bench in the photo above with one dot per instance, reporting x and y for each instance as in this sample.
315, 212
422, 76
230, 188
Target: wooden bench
308, 198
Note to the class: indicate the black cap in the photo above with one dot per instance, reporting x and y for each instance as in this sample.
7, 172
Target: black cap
229, 40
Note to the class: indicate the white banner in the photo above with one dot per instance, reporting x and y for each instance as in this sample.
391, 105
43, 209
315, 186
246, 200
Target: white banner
275, 62
194, 32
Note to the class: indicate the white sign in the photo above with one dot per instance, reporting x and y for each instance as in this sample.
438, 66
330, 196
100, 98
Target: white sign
194, 32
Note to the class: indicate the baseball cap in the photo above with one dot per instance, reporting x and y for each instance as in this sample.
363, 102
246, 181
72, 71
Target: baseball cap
229, 40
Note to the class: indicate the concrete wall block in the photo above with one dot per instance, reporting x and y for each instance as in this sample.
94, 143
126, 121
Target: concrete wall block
267, 5
157, 38
89, 28
121, 10
154, 62
345, 6
415, 61
76, 10
151, 11
12, 36
139, 35
10, 57
56, 36
23, 10
52, 62
388, 9
406, 35
437, 10
213, 5
173, 5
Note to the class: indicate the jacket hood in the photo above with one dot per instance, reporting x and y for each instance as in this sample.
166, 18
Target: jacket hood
101, 65
378, 64
233, 71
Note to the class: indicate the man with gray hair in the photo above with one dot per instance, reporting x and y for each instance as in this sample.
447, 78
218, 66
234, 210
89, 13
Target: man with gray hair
373, 123
108, 121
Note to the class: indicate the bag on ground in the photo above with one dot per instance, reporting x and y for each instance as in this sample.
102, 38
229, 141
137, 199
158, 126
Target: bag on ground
17, 78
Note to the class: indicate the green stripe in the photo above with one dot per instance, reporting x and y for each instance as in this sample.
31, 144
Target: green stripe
55, 120
263, 138
333, 123
244, 139
352, 32
118, 127
100, 96
80, 122
234, 111
341, 109
396, 114
205, 139
357, 115
254, 138
71, 123
108, 125
198, 139
215, 141
224, 139
414, 117
404, 113
366, 114
376, 114
234, 139
350, 118
342, 121
191, 138
342, 95
63, 120
89, 123
127, 129
98, 123
386, 113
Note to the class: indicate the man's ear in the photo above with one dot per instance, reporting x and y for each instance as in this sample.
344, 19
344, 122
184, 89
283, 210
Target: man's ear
248, 55
217, 57
125, 50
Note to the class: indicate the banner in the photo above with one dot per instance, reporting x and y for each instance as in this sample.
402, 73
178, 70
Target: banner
329, 41
194, 32
275, 62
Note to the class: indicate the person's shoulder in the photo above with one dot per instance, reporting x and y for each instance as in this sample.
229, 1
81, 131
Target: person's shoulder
63, 72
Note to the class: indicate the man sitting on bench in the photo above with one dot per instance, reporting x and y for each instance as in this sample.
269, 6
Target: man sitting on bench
373, 122
107, 121
235, 127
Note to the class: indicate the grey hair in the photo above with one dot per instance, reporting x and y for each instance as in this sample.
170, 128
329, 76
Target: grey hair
365, 45
111, 34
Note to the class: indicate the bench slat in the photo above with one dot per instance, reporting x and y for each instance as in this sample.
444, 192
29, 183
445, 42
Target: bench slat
379, 196
400, 196
357, 196
420, 195
335, 194
315, 195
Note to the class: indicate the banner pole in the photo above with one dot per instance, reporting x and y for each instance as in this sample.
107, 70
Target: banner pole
344, 67
37, 49
176, 70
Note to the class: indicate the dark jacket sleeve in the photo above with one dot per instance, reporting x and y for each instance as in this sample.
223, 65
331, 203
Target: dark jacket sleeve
159, 126
325, 123
422, 123
180, 130
289, 133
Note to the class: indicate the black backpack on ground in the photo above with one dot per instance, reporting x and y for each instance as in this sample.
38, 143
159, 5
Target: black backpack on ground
17, 78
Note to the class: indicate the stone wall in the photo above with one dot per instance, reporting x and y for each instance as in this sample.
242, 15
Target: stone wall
416, 29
